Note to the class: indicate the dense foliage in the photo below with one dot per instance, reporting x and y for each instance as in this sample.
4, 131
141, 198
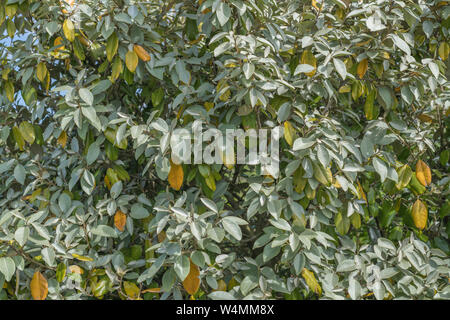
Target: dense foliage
91, 205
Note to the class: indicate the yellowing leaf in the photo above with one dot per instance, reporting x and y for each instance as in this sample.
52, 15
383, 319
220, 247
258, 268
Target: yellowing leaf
39, 286
112, 44
192, 282
117, 68
120, 219
41, 71
225, 96
58, 41
419, 214
345, 89
423, 173
131, 60
131, 289
444, 50
209, 105
309, 58
152, 290
76, 269
141, 53
289, 132
176, 175
69, 30
62, 139
425, 118
211, 182
27, 131
5, 73
361, 70
404, 176
355, 219
314, 4
81, 258
9, 90
221, 285
361, 193
10, 28
11, 9
18, 137
311, 281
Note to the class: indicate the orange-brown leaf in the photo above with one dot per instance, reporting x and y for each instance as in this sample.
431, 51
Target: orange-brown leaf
39, 286
120, 219
192, 281
176, 176
363, 65
141, 53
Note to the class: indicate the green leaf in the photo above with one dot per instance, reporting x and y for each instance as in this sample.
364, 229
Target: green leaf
182, 267
104, 231
223, 13
19, 173
87, 96
7, 267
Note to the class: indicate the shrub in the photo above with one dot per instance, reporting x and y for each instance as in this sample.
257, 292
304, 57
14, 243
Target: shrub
92, 205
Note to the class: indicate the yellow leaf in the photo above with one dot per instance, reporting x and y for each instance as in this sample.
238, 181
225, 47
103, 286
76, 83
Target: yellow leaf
39, 286
419, 214
62, 139
423, 173
225, 96
131, 60
131, 289
141, 53
5, 73
209, 105
345, 89
81, 258
221, 285
314, 4
336, 183
311, 281
309, 58
76, 269
18, 137
11, 9
176, 175
152, 290
192, 282
41, 71
58, 53
71, 3
425, 118
444, 50
361, 70
117, 68
58, 41
120, 219
9, 90
211, 182
361, 193
289, 132
69, 30
27, 132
